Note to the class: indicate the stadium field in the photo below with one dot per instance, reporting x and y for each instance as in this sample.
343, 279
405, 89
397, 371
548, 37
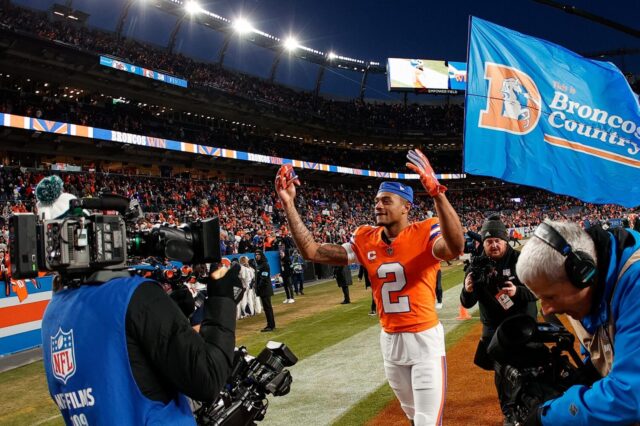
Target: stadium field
339, 378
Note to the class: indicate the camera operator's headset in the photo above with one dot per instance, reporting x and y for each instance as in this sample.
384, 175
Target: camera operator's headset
580, 266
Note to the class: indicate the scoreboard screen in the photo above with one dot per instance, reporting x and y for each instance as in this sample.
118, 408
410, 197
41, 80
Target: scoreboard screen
426, 75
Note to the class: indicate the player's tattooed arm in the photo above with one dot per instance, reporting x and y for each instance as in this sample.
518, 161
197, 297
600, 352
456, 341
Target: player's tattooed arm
332, 254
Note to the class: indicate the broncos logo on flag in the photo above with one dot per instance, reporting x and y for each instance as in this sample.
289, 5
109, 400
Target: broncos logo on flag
513, 101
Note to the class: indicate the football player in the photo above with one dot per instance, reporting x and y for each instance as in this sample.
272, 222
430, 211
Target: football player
402, 260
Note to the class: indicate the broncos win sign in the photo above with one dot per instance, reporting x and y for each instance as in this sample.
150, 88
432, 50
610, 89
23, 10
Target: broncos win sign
541, 115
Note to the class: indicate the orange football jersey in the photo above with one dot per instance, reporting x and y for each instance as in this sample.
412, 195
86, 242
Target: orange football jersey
402, 274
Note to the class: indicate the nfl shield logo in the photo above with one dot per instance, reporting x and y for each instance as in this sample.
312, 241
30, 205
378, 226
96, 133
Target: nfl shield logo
63, 357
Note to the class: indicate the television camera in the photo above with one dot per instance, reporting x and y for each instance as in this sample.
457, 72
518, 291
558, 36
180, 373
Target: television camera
243, 399
485, 273
538, 359
80, 244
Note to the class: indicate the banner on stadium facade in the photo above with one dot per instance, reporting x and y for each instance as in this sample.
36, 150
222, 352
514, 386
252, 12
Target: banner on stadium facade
144, 72
47, 126
21, 314
540, 115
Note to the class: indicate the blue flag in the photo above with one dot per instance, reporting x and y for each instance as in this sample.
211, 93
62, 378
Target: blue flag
538, 114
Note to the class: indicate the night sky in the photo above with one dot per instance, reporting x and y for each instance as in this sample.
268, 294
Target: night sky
369, 30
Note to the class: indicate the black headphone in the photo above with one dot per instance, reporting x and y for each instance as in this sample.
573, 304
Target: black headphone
580, 267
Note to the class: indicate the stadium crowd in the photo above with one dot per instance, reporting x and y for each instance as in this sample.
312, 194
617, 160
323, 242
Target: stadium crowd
269, 96
24, 96
252, 216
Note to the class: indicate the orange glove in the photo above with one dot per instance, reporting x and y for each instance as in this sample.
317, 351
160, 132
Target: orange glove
286, 176
419, 164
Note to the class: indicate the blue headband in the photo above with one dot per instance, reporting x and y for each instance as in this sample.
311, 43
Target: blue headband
397, 188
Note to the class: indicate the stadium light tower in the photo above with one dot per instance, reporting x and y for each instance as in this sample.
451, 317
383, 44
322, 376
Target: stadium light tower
242, 26
192, 7
331, 56
363, 83
291, 44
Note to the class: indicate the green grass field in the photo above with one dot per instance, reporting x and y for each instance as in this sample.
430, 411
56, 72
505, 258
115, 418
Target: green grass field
27, 399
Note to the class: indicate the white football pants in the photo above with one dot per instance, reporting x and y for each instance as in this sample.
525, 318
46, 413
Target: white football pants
416, 368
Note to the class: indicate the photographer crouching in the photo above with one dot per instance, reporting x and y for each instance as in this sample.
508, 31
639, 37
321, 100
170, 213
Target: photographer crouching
594, 277
491, 281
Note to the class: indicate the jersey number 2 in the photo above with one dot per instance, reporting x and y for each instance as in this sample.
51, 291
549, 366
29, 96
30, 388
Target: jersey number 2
388, 287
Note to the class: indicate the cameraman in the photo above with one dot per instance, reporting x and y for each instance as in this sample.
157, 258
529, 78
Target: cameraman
594, 277
122, 352
491, 281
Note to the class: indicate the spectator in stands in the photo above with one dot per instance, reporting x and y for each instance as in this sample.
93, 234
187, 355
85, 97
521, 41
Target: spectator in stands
245, 245
258, 240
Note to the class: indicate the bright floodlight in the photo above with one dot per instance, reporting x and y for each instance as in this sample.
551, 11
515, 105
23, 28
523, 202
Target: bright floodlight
332, 55
242, 26
192, 7
291, 44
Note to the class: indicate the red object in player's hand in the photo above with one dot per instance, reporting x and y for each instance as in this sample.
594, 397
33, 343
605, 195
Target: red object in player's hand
286, 176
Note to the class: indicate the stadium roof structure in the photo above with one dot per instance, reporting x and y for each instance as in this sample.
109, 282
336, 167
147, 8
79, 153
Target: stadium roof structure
190, 9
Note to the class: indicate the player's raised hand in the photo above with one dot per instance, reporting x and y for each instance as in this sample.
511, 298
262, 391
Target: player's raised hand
420, 164
286, 181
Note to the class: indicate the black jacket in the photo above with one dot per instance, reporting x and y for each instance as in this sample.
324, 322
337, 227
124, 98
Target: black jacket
263, 279
167, 356
245, 246
491, 311
285, 262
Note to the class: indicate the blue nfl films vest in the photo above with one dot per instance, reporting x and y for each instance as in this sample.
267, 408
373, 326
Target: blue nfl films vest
87, 363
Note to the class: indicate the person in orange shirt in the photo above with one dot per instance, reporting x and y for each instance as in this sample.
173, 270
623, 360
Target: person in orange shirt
402, 260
